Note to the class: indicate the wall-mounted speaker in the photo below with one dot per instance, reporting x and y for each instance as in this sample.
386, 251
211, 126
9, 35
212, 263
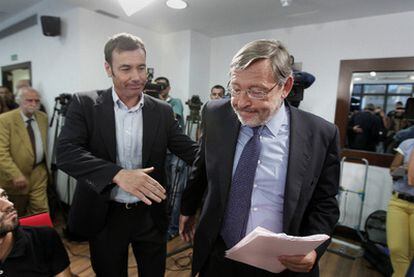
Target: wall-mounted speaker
50, 25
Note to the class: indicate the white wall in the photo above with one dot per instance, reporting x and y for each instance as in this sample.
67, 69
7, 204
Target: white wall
320, 48
176, 63
199, 66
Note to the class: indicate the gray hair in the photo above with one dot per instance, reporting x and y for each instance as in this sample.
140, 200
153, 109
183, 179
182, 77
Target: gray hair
22, 90
122, 42
273, 50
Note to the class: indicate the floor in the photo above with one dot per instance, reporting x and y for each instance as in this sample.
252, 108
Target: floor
331, 265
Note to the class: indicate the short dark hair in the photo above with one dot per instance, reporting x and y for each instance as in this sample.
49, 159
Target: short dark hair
122, 42
161, 78
219, 87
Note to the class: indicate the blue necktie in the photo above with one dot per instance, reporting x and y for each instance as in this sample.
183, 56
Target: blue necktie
238, 204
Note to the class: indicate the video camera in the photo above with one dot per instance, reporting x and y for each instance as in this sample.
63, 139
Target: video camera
63, 99
301, 81
154, 89
194, 103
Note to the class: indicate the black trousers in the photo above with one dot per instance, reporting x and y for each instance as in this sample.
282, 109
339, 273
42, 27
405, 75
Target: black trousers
109, 249
219, 266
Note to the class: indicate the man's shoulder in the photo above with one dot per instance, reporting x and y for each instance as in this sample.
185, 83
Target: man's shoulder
311, 120
41, 115
152, 101
219, 104
10, 115
93, 94
38, 231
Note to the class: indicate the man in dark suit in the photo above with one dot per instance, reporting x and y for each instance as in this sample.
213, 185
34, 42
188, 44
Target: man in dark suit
262, 163
114, 143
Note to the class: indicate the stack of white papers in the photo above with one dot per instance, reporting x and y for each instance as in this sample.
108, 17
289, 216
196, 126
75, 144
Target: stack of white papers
261, 248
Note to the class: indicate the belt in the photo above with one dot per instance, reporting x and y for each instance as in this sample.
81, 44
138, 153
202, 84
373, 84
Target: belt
127, 206
403, 196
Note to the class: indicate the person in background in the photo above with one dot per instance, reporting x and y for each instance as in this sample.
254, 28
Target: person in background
400, 221
23, 168
23, 83
217, 92
175, 103
261, 163
364, 128
8, 97
176, 169
29, 251
3, 106
395, 122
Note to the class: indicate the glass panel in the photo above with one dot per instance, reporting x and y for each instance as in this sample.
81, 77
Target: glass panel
393, 100
376, 100
357, 89
371, 93
375, 89
400, 89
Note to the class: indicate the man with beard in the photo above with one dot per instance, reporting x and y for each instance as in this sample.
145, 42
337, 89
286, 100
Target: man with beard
114, 143
261, 163
23, 169
29, 251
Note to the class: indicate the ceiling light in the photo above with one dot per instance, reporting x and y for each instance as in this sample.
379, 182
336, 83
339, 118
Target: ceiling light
132, 6
373, 73
177, 4
356, 79
412, 77
285, 3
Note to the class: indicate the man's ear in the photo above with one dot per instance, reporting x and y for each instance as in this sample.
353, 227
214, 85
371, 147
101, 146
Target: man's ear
108, 69
287, 87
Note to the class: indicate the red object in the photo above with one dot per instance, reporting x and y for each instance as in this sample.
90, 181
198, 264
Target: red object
42, 219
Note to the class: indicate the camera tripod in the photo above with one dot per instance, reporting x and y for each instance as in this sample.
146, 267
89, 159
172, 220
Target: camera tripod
179, 177
58, 117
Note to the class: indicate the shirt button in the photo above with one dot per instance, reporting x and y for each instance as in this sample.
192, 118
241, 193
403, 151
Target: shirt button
255, 186
255, 209
258, 162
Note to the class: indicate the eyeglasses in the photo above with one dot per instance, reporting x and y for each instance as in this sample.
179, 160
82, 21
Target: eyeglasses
252, 93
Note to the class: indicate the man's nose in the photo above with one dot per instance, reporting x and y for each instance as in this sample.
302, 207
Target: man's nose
6, 204
243, 100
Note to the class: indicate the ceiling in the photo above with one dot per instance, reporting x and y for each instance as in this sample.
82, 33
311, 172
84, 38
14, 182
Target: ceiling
225, 17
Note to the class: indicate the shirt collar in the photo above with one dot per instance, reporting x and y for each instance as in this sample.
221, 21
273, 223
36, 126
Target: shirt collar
25, 118
277, 120
118, 103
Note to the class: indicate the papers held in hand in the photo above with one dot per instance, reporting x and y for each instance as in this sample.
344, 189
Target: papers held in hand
261, 248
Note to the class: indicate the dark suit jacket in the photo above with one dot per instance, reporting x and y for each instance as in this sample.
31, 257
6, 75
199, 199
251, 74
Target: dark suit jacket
310, 206
87, 151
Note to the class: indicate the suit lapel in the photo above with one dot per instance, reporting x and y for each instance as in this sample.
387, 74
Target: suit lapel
299, 155
229, 135
151, 119
21, 130
105, 118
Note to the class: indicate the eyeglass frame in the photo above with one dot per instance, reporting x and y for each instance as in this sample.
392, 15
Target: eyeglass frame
248, 91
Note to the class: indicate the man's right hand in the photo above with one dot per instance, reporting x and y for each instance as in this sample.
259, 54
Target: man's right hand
20, 182
187, 227
140, 184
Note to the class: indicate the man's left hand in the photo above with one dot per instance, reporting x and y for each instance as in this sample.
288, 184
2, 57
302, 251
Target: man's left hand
299, 263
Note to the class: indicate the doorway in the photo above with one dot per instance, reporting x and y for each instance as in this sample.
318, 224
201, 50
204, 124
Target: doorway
11, 74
